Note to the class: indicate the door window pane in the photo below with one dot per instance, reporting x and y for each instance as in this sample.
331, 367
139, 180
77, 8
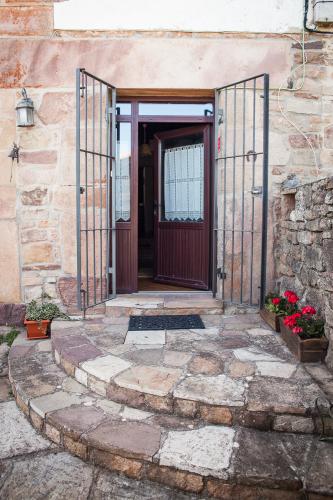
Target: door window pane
123, 172
174, 109
124, 108
182, 189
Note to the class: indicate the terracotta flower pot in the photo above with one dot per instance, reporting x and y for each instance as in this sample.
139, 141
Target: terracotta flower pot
306, 350
271, 319
37, 329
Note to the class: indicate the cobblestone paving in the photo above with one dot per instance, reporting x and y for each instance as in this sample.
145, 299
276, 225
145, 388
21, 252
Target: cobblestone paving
32, 468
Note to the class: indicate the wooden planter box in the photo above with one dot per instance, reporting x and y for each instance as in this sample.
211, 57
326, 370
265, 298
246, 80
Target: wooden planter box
37, 329
272, 319
308, 350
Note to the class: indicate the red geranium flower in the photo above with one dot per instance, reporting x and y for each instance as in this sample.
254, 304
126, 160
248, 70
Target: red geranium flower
308, 310
276, 301
291, 296
290, 321
297, 329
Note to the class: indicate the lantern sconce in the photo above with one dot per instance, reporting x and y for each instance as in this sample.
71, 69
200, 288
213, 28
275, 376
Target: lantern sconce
25, 111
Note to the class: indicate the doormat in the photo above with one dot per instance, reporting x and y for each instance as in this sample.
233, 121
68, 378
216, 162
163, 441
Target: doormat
171, 322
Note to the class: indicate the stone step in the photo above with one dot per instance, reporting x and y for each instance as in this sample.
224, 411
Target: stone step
222, 374
142, 304
209, 460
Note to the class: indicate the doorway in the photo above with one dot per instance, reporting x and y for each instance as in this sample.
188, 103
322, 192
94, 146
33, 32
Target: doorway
163, 199
235, 119
173, 206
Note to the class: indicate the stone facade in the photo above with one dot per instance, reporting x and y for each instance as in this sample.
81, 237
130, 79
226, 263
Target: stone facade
304, 248
37, 205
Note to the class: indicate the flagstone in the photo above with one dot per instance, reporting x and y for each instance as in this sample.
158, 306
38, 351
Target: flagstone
206, 364
270, 462
275, 369
54, 475
140, 440
254, 355
218, 390
176, 358
76, 420
71, 385
205, 451
51, 402
17, 436
105, 367
81, 353
282, 395
152, 380
133, 413
145, 337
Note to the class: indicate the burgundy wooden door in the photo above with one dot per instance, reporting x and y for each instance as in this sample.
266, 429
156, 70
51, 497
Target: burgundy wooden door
182, 207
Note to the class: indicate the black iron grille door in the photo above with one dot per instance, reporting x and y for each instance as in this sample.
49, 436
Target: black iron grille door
95, 193
241, 184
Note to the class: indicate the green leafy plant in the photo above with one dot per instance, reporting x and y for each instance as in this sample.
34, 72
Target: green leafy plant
9, 337
42, 310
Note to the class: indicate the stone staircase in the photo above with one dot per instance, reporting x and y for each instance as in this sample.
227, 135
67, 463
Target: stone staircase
196, 410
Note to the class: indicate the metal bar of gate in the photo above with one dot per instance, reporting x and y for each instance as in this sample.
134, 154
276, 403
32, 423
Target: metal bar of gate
78, 189
265, 192
240, 232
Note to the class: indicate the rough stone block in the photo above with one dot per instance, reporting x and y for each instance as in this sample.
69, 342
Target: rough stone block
129, 467
75, 447
216, 415
175, 478
218, 390
133, 439
148, 379
206, 451
105, 367
290, 423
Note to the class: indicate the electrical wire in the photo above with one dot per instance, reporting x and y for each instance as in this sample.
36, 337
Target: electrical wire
301, 85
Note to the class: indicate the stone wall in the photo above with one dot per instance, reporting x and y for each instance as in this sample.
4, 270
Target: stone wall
304, 248
37, 206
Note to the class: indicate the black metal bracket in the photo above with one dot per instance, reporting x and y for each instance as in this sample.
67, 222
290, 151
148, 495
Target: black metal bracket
221, 274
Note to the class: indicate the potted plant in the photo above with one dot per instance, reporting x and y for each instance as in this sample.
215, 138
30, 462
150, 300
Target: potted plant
38, 317
304, 334
277, 306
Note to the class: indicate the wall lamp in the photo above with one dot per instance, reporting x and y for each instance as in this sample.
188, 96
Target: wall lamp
25, 111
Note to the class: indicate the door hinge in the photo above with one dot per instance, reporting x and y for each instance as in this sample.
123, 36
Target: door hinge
221, 274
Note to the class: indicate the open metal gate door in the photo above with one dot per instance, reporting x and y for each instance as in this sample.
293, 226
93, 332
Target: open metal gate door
95, 190
241, 189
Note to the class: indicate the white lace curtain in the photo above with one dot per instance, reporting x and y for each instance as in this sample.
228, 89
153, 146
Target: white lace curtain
183, 183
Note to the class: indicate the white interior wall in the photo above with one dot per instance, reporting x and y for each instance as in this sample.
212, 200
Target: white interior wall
272, 16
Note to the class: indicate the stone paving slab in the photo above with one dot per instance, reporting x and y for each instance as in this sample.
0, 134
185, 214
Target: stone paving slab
145, 337
17, 436
57, 476
105, 367
206, 451
236, 364
180, 452
157, 381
